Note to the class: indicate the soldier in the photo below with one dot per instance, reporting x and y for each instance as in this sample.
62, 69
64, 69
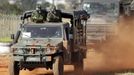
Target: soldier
54, 15
38, 15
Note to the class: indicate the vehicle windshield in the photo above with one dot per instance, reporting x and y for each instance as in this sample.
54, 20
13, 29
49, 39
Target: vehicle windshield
42, 32
101, 8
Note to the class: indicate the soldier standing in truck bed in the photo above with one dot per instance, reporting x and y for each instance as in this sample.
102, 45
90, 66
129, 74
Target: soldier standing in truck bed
38, 16
54, 15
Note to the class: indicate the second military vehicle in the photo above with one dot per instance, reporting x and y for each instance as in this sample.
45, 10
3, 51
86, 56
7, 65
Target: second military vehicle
127, 7
104, 16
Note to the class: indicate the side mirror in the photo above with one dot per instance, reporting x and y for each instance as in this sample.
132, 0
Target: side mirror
12, 36
22, 17
21, 26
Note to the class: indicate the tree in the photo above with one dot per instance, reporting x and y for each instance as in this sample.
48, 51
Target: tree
61, 6
73, 3
28, 4
46, 5
7, 8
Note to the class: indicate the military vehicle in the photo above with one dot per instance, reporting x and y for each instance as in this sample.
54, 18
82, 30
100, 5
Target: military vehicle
104, 16
127, 6
50, 44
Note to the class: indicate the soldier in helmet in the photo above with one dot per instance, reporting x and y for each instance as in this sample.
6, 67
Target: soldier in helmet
54, 15
38, 15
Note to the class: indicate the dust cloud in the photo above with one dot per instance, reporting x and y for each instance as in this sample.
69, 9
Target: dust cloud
116, 54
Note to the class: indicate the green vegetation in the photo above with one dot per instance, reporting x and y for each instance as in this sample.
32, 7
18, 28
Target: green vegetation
7, 8
23, 5
46, 5
6, 39
27, 4
61, 6
129, 73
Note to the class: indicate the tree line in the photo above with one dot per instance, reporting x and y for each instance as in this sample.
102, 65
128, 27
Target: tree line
22, 5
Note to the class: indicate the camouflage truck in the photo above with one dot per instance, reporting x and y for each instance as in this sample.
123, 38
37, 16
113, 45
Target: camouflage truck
103, 19
50, 45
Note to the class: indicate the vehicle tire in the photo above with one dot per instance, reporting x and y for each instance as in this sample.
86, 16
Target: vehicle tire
58, 66
79, 64
14, 68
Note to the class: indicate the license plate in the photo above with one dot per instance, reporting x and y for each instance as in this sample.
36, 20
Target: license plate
32, 59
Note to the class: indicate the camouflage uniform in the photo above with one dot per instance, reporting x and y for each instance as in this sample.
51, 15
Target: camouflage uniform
37, 16
54, 15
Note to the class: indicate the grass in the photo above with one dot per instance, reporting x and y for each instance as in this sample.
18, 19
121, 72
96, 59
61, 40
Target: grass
114, 73
5, 39
129, 73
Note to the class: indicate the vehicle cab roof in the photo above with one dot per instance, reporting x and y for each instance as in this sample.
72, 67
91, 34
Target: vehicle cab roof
46, 24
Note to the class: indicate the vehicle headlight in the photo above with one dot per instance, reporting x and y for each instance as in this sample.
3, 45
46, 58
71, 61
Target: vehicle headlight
51, 48
15, 50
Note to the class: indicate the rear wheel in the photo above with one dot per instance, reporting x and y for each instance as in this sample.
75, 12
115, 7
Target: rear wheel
58, 66
79, 64
30, 69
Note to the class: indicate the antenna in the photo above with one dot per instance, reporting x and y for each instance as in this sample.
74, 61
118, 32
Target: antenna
53, 2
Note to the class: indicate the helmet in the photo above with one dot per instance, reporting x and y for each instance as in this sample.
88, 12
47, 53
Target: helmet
38, 7
53, 8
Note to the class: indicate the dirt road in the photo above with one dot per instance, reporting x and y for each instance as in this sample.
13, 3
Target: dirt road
114, 55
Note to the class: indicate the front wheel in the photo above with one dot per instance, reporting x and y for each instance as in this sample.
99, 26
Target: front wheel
58, 66
14, 68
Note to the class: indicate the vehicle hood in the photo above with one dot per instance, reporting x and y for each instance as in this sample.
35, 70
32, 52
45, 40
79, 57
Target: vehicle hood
38, 42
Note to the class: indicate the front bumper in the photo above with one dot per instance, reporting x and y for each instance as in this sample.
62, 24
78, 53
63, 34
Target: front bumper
47, 57
32, 54
33, 58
